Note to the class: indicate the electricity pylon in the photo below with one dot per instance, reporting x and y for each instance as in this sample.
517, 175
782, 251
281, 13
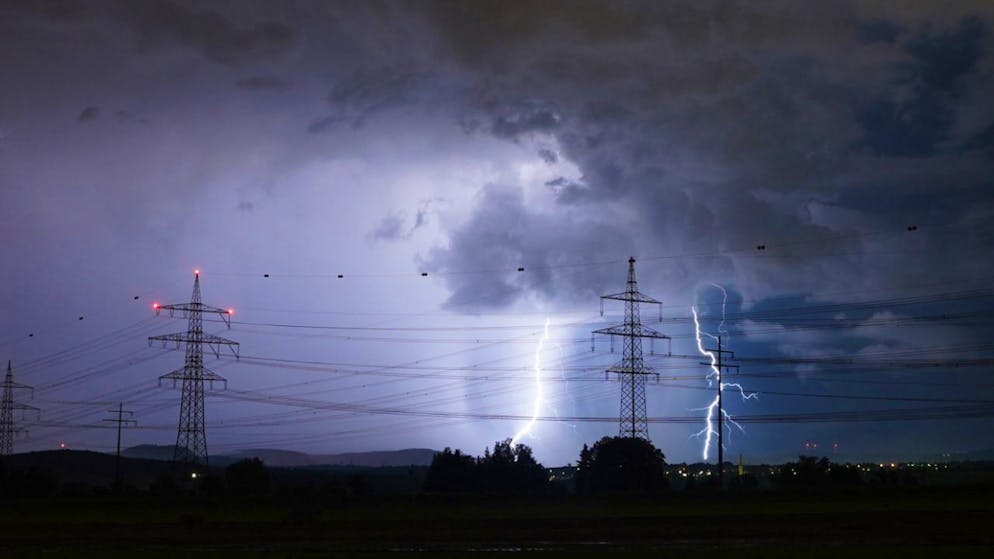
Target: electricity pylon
7, 428
191, 436
632, 370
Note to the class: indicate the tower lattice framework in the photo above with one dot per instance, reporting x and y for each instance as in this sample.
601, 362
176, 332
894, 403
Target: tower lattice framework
191, 434
632, 370
8, 428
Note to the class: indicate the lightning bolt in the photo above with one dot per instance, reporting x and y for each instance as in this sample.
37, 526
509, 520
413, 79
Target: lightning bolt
724, 303
538, 387
714, 375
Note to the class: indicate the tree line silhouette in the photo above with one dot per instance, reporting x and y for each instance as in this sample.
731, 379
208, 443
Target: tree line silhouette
611, 465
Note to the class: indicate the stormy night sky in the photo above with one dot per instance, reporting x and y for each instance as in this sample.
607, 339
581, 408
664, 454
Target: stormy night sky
827, 165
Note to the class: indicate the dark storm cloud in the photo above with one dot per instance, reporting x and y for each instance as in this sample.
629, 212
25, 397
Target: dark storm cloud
720, 125
163, 22
567, 190
89, 113
128, 116
879, 30
370, 91
982, 140
482, 32
394, 227
912, 123
390, 229
324, 124
210, 32
263, 83
504, 235
524, 119
54, 10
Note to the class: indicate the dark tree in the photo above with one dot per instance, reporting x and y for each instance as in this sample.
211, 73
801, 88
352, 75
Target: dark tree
507, 470
247, 477
621, 465
511, 469
451, 472
810, 471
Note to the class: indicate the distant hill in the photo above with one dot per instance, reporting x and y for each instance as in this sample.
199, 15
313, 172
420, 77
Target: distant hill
82, 469
376, 459
84, 466
293, 459
149, 452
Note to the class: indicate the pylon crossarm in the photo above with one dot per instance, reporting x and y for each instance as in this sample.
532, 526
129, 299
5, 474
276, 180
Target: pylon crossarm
632, 330
223, 381
634, 297
182, 374
17, 385
207, 376
186, 337
25, 410
638, 297
211, 377
125, 422
183, 310
625, 370
166, 339
215, 347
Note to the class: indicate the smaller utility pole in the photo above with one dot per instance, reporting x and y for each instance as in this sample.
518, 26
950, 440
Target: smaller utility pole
720, 367
121, 421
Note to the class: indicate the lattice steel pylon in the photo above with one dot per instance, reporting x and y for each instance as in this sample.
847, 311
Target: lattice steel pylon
191, 436
632, 370
8, 429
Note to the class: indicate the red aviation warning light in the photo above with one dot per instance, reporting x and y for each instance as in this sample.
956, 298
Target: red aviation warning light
196, 272
231, 311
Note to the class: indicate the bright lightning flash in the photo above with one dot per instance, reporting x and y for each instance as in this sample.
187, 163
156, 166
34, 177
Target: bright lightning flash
714, 375
538, 388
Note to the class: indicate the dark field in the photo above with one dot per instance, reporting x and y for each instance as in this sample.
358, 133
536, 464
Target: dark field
910, 522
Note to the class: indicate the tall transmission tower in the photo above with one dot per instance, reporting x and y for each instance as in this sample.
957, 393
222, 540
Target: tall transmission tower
632, 370
8, 430
191, 436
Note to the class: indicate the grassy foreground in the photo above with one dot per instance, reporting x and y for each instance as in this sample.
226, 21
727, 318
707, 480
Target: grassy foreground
917, 522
